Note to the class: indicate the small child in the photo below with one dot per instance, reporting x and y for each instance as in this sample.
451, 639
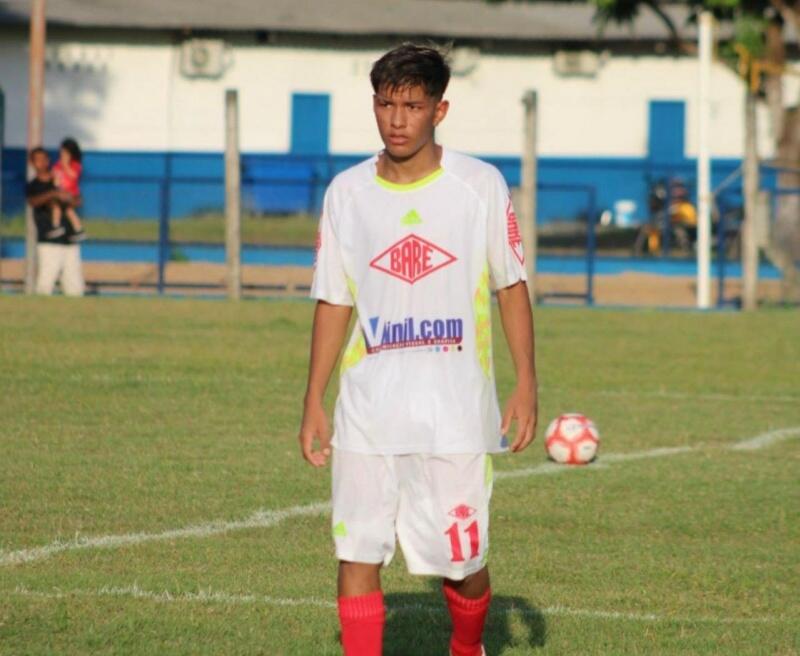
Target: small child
67, 174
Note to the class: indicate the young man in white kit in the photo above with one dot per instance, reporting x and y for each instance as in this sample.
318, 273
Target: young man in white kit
411, 238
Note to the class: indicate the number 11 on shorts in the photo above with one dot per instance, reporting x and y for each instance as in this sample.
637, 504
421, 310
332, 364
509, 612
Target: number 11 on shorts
455, 541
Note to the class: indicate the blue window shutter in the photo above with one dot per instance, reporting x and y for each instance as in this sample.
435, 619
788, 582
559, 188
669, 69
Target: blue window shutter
666, 131
310, 123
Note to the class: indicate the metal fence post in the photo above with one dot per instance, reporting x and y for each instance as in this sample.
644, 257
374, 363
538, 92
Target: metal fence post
722, 233
667, 222
163, 230
2, 147
591, 246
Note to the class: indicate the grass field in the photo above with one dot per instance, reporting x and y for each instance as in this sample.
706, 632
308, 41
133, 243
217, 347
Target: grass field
301, 230
279, 230
154, 500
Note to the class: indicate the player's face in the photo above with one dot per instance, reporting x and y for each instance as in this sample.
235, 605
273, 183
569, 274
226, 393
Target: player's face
406, 119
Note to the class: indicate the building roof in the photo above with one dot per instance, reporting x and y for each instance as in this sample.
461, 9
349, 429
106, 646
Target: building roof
465, 19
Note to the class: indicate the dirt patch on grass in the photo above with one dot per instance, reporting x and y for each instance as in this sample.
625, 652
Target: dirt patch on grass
635, 289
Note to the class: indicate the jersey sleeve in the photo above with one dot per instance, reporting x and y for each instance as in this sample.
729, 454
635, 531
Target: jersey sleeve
506, 257
330, 279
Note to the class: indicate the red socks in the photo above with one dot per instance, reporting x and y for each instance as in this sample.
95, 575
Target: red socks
362, 619
469, 616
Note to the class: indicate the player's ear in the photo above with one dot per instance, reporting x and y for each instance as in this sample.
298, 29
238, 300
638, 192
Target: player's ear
440, 112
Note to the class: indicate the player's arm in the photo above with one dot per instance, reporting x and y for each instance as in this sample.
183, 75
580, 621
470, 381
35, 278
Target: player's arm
515, 312
327, 338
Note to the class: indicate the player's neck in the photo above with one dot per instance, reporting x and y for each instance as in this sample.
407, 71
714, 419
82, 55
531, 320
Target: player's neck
407, 170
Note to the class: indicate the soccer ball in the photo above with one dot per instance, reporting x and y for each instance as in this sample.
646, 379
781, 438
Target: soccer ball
572, 439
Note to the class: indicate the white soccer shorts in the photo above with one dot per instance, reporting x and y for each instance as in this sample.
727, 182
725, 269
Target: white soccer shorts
436, 505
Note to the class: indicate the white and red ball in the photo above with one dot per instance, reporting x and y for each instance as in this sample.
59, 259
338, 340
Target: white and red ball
572, 439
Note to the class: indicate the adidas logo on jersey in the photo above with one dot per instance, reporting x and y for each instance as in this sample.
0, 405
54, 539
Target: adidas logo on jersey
411, 218
412, 258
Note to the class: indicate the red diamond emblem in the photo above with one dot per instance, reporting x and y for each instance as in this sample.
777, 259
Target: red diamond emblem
462, 511
412, 258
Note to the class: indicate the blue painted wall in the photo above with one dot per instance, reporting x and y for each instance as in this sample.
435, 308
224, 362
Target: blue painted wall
122, 185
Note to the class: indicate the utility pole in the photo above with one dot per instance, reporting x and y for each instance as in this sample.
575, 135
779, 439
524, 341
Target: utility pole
528, 184
705, 56
750, 237
233, 195
35, 124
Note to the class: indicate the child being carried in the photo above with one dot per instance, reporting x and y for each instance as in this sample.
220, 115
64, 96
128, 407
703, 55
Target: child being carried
67, 176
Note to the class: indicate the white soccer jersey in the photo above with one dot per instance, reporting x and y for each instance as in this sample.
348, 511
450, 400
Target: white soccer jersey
415, 260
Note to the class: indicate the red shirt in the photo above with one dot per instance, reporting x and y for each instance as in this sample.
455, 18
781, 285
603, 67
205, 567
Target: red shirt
68, 177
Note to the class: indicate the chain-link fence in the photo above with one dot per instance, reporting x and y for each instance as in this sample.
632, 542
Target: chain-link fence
159, 227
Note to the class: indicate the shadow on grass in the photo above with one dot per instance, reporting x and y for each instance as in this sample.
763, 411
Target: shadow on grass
418, 624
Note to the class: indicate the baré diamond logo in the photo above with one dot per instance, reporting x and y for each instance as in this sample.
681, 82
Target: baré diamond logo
412, 258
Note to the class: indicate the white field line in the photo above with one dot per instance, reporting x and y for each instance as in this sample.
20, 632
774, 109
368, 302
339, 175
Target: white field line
268, 518
135, 592
212, 596
259, 519
607, 459
766, 439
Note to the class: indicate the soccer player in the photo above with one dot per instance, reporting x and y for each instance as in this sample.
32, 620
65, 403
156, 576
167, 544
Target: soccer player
411, 238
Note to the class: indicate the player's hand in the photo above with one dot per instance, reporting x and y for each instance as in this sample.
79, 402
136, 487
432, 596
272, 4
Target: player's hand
522, 407
315, 426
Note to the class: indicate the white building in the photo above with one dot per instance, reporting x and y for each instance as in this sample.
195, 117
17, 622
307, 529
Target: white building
141, 86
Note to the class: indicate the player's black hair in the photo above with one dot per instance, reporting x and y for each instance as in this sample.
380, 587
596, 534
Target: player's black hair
411, 65
71, 146
35, 151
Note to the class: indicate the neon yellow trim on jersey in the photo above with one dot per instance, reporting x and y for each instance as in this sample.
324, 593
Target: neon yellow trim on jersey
409, 186
356, 351
351, 286
488, 476
357, 346
340, 531
482, 310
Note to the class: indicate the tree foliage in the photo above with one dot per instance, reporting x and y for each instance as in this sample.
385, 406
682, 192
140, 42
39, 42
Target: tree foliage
756, 34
